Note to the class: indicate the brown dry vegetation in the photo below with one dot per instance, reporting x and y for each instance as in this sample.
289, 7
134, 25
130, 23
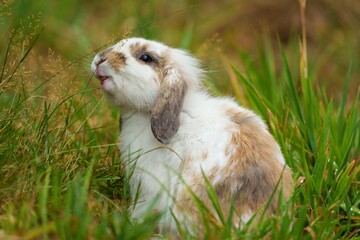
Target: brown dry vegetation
214, 30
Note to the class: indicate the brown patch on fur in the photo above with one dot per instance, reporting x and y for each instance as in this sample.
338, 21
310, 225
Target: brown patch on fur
115, 59
253, 168
135, 47
251, 175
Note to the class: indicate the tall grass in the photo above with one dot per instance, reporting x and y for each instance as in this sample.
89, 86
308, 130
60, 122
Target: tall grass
321, 144
60, 172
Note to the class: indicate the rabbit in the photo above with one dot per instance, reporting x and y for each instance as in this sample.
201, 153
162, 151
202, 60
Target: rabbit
174, 135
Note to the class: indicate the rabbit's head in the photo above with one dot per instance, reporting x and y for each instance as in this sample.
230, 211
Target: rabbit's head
150, 77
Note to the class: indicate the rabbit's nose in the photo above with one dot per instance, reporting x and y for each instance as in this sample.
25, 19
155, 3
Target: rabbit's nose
100, 62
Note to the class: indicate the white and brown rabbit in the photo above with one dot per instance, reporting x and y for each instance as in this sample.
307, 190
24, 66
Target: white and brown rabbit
173, 133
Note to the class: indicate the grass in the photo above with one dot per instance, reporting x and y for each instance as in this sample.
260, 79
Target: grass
60, 172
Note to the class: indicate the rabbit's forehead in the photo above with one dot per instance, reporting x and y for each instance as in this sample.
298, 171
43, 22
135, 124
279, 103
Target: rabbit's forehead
133, 45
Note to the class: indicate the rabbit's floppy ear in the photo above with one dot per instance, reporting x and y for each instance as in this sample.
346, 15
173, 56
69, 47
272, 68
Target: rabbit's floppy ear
165, 116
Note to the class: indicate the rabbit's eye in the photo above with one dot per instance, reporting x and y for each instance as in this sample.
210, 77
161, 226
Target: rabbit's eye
146, 58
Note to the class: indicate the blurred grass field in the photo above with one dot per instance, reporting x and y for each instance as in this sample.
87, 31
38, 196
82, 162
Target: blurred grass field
60, 172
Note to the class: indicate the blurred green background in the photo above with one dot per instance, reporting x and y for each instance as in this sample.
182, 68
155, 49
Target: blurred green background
216, 31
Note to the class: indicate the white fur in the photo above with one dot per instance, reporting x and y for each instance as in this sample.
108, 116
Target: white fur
204, 128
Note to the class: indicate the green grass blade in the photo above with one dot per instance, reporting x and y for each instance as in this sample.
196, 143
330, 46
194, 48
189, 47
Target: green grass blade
43, 199
345, 92
5, 60
294, 96
255, 95
320, 165
213, 198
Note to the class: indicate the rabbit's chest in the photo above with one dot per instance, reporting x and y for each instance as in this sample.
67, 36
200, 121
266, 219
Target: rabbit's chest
149, 163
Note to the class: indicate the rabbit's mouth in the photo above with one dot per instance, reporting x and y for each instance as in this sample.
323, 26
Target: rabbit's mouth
105, 83
102, 79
